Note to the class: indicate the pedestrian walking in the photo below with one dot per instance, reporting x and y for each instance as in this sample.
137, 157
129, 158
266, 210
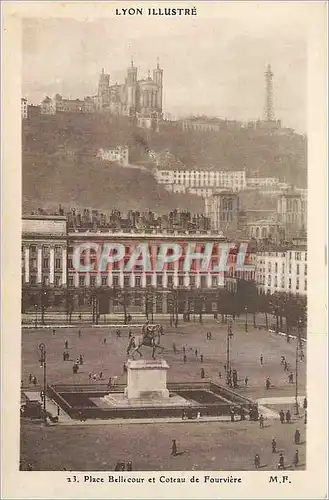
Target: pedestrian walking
235, 378
54, 331
104, 341
184, 349
202, 374
291, 378
257, 461
201, 358
174, 448
305, 403
261, 359
81, 359
297, 437
124, 367
232, 415
267, 383
185, 358
288, 416
282, 360
246, 381
296, 458
305, 417
100, 375
273, 445
281, 461
34, 381
196, 353
66, 344
174, 348
285, 366
58, 410
79, 333
30, 378
281, 416
261, 421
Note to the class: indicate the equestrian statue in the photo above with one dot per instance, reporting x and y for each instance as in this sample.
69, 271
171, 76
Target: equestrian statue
150, 337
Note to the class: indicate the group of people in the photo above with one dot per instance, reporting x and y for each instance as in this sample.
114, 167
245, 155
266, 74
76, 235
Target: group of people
281, 462
122, 466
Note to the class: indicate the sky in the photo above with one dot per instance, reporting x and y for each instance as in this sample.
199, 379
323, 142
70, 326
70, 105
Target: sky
213, 63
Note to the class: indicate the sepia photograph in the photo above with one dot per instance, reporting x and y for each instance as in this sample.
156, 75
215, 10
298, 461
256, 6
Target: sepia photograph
164, 276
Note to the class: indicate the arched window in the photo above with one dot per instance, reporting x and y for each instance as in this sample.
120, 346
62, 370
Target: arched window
264, 232
257, 232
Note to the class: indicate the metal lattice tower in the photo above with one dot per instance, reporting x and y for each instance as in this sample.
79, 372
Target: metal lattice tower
269, 109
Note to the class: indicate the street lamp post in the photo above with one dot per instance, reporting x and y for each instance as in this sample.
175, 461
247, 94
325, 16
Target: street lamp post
297, 367
246, 323
228, 358
36, 315
42, 349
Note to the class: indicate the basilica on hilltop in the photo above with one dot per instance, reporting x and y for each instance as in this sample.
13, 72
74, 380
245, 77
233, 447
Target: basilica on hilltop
139, 99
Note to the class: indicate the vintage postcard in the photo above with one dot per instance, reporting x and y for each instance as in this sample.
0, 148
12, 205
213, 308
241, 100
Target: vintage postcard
164, 324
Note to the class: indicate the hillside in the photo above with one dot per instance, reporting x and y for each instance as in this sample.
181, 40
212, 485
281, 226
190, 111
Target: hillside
282, 156
60, 166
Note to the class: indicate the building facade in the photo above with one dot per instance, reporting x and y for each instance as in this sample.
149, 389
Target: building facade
207, 179
24, 108
261, 182
282, 271
223, 210
119, 154
262, 229
48, 267
59, 104
206, 124
292, 212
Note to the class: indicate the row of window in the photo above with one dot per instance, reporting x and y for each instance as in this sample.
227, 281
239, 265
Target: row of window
45, 248
276, 268
45, 280
126, 281
210, 173
45, 263
269, 282
292, 255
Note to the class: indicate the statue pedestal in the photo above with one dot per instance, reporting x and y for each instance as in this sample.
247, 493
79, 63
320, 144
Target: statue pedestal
147, 380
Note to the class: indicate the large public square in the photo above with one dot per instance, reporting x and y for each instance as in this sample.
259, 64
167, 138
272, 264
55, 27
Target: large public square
202, 445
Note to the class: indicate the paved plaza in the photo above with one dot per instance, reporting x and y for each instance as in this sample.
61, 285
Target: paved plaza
211, 445
201, 446
109, 357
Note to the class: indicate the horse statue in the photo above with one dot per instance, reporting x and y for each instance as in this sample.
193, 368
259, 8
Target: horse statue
150, 337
